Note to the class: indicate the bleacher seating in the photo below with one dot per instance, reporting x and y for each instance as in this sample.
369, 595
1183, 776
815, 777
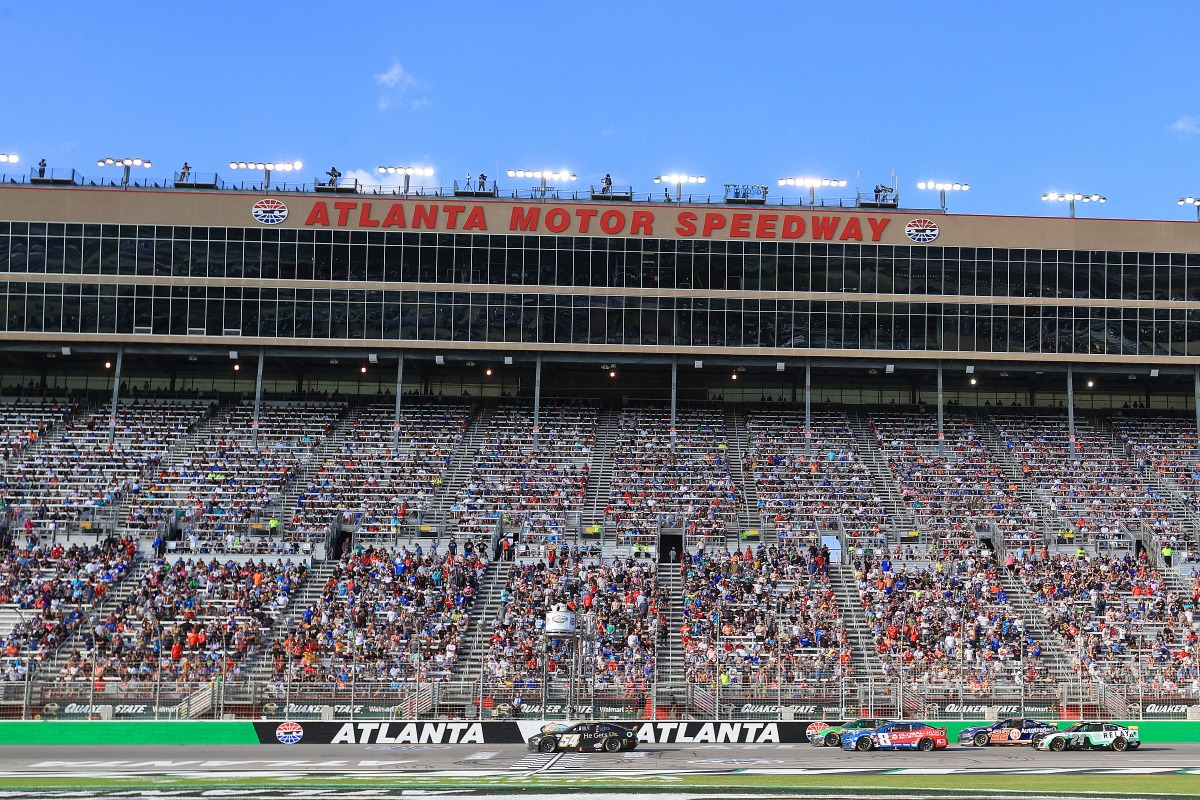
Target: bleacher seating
1094, 485
385, 616
961, 497
73, 474
619, 601
691, 488
375, 486
757, 617
809, 489
530, 491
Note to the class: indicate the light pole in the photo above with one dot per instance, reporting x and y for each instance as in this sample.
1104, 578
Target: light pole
812, 184
543, 175
128, 163
679, 181
1191, 201
282, 166
407, 172
1072, 197
943, 188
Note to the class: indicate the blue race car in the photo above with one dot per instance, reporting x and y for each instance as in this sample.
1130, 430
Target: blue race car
896, 736
1005, 731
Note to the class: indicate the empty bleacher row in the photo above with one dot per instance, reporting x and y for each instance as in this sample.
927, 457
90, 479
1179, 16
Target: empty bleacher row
386, 611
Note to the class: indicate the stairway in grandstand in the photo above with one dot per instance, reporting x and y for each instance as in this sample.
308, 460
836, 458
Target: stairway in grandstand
113, 600
898, 511
259, 665
1048, 519
282, 509
171, 459
475, 642
864, 659
459, 470
600, 470
749, 517
1057, 662
669, 662
1188, 518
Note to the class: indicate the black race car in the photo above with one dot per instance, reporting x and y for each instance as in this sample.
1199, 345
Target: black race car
584, 737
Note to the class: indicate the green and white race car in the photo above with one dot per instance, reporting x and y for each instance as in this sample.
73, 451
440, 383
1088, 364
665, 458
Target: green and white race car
1089, 736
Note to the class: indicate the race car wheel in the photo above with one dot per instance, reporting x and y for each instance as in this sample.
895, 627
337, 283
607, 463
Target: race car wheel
832, 740
926, 745
1120, 744
612, 745
864, 744
982, 740
546, 746
1058, 745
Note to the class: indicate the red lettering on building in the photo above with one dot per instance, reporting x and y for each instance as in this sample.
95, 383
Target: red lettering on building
713, 222
524, 222
765, 229
452, 215
475, 220
557, 220
585, 218
824, 227
877, 226
852, 230
642, 222
740, 227
426, 215
687, 223
344, 210
319, 214
395, 217
793, 227
364, 217
612, 221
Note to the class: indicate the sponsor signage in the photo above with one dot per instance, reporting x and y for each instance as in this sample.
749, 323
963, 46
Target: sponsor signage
1006, 707
672, 222
518, 732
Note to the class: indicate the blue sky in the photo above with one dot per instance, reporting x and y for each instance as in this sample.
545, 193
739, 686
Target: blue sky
1015, 99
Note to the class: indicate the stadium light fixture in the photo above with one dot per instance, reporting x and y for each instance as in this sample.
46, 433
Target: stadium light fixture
127, 163
543, 175
1191, 201
812, 184
679, 180
8, 158
267, 167
407, 172
1071, 197
943, 187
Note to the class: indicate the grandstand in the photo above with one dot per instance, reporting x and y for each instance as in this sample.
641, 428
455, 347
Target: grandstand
323, 467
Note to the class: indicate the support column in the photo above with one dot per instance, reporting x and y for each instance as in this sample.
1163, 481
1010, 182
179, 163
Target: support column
674, 389
399, 395
1071, 408
808, 407
537, 398
112, 417
941, 428
262, 352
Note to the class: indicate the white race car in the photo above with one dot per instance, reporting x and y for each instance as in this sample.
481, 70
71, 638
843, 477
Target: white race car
1089, 736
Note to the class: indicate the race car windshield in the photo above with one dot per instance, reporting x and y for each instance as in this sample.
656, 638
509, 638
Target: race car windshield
1076, 727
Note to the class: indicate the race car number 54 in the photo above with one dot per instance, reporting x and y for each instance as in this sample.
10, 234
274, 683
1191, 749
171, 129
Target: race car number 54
569, 740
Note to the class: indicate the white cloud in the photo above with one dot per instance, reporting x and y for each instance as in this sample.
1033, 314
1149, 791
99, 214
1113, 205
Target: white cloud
1188, 126
400, 87
371, 179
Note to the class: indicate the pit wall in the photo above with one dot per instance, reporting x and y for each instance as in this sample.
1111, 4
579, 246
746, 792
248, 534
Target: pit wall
52, 732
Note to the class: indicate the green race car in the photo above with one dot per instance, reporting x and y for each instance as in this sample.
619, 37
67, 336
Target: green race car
829, 734
1089, 736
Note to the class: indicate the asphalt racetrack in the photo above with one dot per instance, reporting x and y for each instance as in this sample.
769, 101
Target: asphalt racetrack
492, 762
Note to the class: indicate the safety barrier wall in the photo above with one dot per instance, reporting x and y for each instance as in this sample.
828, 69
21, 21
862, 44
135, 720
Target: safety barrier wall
64, 732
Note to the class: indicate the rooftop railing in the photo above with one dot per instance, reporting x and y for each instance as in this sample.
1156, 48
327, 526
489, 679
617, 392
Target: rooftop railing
734, 194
